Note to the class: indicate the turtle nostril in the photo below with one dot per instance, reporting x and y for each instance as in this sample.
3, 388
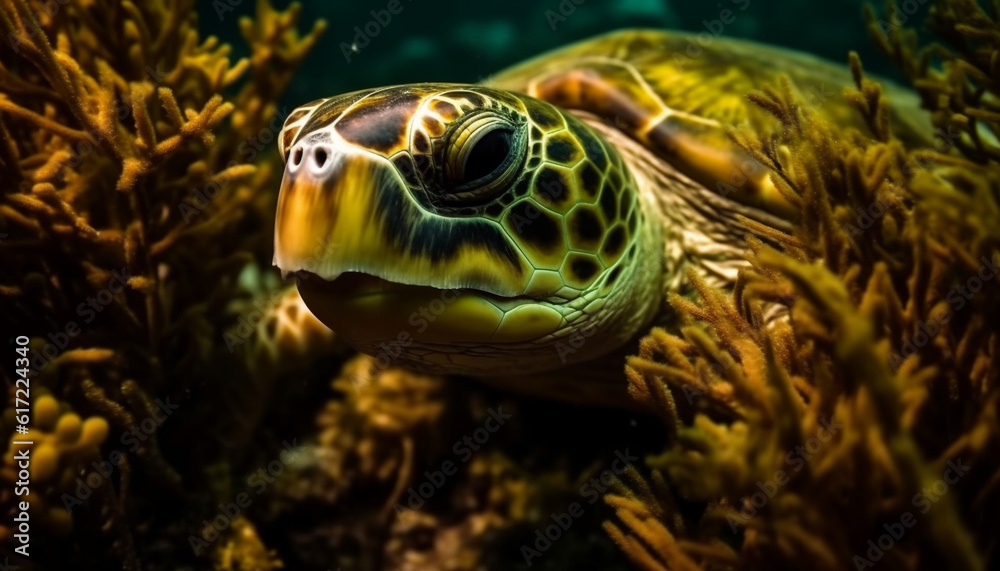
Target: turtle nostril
317, 158
321, 157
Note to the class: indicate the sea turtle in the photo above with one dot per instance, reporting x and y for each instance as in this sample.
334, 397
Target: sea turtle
521, 229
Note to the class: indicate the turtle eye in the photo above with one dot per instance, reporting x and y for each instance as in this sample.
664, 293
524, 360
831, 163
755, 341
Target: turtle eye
483, 158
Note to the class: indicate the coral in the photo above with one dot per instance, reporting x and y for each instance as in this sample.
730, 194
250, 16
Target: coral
857, 425
962, 93
381, 435
498, 496
62, 445
846, 387
378, 424
137, 188
368, 442
244, 551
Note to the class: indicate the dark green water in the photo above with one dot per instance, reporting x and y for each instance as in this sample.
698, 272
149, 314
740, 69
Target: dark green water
464, 41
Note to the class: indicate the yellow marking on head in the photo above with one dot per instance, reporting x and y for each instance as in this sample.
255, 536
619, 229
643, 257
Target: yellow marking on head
330, 221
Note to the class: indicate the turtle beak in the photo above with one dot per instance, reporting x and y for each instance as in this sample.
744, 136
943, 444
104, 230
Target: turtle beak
336, 233
327, 221
343, 209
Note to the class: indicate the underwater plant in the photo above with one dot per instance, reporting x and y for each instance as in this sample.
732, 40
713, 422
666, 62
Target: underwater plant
858, 425
837, 408
133, 155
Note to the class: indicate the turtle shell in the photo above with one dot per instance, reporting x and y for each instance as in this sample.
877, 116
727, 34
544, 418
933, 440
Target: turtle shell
677, 94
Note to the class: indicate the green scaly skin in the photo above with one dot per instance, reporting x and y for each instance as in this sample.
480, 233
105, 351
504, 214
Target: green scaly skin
471, 270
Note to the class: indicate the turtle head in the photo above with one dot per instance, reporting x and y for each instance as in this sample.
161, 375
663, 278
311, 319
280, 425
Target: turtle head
463, 229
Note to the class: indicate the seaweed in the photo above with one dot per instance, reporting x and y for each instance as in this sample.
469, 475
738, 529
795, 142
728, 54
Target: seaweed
838, 407
134, 165
839, 404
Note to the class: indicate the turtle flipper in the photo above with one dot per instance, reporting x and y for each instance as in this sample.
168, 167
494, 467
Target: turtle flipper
285, 336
